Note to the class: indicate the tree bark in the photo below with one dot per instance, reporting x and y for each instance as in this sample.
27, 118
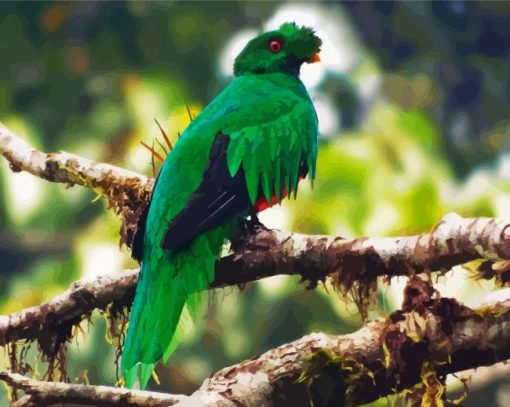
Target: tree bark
390, 354
427, 339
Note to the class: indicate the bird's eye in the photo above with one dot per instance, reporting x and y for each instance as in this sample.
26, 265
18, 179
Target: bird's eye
275, 45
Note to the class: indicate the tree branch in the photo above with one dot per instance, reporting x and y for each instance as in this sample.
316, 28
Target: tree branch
390, 355
353, 265
68, 168
449, 336
67, 309
40, 393
453, 241
127, 192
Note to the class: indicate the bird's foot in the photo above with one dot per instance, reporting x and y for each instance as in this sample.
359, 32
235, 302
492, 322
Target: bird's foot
254, 224
247, 232
251, 225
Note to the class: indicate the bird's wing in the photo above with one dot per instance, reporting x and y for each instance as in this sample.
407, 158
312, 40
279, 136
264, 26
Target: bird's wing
219, 197
275, 146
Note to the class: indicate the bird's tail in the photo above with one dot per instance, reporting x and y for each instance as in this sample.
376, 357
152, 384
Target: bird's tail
168, 299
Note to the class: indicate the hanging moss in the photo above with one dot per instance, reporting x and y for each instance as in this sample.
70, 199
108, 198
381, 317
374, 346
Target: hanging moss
117, 318
331, 380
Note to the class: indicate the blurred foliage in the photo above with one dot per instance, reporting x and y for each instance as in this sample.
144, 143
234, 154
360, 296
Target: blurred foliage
416, 126
457, 53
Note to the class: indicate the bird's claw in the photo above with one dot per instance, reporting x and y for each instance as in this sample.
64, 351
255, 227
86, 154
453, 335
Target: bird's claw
251, 225
254, 224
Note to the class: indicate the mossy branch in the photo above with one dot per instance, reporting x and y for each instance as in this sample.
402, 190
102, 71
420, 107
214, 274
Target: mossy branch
383, 357
353, 266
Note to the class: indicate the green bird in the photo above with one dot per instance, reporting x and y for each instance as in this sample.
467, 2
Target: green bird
247, 150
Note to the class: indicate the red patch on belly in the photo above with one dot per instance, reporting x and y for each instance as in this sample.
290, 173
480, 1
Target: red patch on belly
262, 203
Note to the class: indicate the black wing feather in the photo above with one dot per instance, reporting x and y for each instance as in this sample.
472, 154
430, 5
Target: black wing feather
217, 199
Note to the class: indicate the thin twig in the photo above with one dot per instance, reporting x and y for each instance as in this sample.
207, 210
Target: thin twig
165, 137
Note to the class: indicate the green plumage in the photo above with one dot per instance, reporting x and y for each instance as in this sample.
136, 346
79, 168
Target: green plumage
272, 126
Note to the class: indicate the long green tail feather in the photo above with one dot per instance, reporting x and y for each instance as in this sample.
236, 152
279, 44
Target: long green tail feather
169, 298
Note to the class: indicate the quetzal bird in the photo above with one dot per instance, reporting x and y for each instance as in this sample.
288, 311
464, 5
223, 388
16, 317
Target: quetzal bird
246, 151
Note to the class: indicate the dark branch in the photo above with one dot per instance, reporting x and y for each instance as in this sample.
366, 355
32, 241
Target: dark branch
353, 265
447, 335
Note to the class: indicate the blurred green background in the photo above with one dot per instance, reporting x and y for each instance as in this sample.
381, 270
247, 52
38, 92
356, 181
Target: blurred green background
412, 99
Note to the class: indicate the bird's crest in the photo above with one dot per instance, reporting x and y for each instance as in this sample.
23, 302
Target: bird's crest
294, 31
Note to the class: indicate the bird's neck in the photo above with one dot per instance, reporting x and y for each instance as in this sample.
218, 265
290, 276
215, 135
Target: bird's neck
285, 80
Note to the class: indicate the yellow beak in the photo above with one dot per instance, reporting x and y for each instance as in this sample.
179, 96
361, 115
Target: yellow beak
315, 58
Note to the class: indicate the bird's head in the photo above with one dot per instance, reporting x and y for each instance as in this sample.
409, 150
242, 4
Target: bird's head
283, 50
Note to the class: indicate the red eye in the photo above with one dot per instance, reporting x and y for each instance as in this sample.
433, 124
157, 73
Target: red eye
275, 45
